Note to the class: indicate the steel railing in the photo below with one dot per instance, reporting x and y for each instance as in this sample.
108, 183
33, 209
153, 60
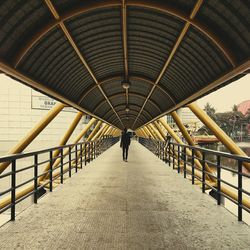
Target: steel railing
76, 155
176, 154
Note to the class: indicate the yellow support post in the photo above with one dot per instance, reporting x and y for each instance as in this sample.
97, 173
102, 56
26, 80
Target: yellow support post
6, 201
65, 153
107, 131
178, 140
149, 132
33, 133
144, 129
64, 139
218, 132
159, 129
97, 126
158, 134
97, 135
188, 137
140, 133
104, 131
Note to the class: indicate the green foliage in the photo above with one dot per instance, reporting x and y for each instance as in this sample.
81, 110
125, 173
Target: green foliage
233, 123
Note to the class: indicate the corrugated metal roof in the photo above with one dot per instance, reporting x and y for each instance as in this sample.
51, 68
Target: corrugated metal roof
177, 51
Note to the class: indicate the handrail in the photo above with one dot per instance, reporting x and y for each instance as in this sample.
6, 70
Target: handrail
176, 154
78, 154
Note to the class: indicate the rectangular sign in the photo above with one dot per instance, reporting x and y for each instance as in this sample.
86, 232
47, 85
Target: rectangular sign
43, 102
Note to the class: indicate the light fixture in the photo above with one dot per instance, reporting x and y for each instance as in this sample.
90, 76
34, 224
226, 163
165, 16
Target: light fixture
125, 84
127, 109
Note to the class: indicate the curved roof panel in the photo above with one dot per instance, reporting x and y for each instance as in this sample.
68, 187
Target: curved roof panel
172, 52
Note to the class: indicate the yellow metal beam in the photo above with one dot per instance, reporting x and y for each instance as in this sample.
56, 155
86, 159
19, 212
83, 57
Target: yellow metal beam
104, 131
178, 140
33, 133
97, 135
160, 129
79, 53
188, 137
150, 133
95, 130
64, 140
146, 132
172, 53
218, 132
66, 151
156, 131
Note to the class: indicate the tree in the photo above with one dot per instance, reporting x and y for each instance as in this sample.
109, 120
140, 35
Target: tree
210, 110
235, 108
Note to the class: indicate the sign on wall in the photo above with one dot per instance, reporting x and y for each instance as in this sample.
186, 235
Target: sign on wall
43, 102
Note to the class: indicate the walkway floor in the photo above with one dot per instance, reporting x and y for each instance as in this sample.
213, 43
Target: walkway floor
111, 204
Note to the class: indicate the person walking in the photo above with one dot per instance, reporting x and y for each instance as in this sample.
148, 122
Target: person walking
125, 142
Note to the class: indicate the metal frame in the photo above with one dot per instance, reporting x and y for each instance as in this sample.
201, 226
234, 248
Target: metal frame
78, 52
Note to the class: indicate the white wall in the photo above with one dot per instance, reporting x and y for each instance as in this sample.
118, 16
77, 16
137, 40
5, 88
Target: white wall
17, 117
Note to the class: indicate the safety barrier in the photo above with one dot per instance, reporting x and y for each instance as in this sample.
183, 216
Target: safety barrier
176, 154
76, 155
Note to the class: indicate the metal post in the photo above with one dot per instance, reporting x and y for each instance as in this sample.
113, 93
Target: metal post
13, 189
35, 177
239, 190
61, 167
76, 160
169, 156
218, 180
178, 162
173, 157
51, 171
203, 172
185, 162
69, 161
193, 166
88, 152
81, 154
85, 153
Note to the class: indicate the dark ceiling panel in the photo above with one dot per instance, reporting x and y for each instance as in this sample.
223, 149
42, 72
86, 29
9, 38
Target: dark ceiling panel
229, 20
99, 38
19, 21
33, 42
151, 35
53, 62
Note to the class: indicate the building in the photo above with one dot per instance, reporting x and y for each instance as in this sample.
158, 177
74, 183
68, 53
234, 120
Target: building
21, 108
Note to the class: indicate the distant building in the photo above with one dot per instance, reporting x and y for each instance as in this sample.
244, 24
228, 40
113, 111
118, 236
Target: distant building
187, 117
243, 107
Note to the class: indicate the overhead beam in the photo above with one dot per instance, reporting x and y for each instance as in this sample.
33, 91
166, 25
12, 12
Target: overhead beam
125, 46
172, 53
78, 52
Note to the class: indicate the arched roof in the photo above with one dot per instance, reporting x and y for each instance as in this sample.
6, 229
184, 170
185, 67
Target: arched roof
172, 52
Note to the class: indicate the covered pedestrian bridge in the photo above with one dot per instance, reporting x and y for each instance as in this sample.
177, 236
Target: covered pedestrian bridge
126, 63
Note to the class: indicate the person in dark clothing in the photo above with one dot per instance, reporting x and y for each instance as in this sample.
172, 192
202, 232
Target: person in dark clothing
125, 142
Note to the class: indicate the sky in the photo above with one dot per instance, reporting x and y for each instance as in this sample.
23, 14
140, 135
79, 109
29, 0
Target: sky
224, 99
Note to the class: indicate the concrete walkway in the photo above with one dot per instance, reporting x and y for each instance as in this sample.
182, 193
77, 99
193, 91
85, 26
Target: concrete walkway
142, 204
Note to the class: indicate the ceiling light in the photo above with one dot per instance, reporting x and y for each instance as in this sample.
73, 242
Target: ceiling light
125, 84
127, 109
